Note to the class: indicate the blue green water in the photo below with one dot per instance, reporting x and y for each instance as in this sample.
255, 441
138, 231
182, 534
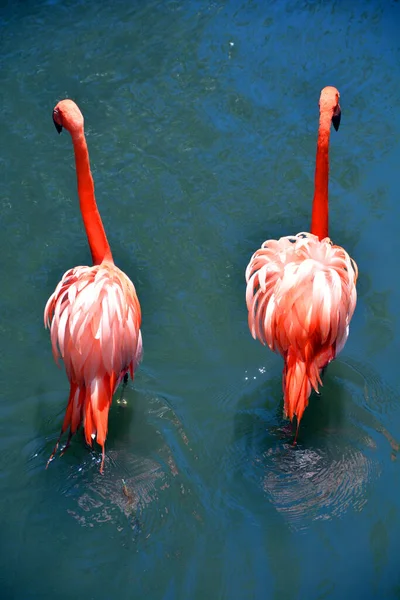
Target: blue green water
201, 122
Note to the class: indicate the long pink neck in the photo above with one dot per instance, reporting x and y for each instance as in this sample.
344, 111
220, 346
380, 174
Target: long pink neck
320, 216
96, 235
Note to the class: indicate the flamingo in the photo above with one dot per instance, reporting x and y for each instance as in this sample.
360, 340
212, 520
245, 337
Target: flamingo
301, 290
94, 314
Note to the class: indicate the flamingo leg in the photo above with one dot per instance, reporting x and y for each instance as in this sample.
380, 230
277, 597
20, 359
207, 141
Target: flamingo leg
54, 450
297, 433
67, 445
103, 455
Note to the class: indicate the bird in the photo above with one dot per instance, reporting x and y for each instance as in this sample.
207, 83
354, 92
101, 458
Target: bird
94, 314
301, 289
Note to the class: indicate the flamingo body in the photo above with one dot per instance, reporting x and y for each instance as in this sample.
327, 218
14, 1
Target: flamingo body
301, 295
94, 318
94, 314
301, 290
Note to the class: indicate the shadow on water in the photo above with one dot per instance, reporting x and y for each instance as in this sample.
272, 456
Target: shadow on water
339, 452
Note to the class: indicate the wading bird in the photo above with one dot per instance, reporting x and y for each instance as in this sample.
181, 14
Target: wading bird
301, 290
94, 314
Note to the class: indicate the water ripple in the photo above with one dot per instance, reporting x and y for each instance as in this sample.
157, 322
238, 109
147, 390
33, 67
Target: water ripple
315, 484
148, 462
118, 500
340, 451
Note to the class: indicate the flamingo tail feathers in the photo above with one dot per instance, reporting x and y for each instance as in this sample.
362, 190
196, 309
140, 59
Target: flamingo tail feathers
299, 378
90, 406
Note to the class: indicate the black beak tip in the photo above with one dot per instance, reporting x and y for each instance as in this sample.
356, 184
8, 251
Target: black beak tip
336, 120
57, 126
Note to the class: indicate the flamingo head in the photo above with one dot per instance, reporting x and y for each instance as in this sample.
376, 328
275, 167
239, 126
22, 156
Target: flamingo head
67, 114
329, 102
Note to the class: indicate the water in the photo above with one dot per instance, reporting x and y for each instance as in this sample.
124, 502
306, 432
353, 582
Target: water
201, 123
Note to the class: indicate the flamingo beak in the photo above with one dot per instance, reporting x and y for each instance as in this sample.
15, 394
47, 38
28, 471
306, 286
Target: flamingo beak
336, 117
57, 125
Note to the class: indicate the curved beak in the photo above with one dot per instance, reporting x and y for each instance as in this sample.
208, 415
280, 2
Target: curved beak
336, 117
56, 125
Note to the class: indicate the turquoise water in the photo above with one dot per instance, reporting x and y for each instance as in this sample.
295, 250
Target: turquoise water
201, 122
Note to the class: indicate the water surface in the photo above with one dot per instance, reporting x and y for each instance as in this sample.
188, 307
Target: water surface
201, 123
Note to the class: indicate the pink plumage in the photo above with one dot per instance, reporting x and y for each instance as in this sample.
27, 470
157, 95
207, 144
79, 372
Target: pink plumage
301, 295
94, 317
301, 290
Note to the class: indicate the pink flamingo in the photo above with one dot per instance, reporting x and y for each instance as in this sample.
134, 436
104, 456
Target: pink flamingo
94, 314
301, 290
